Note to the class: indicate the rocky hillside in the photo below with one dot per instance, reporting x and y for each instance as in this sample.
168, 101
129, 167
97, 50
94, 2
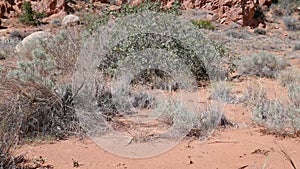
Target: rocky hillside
242, 12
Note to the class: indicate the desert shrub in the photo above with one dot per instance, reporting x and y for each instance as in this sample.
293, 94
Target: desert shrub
288, 5
294, 93
16, 35
291, 23
260, 31
237, 35
254, 94
198, 124
271, 114
277, 12
289, 76
121, 51
7, 48
45, 110
297, 46
261, 64
64, 48
27, 16
56, 22
203, 24
156, 6
43, 98
30, 17
9, 131
222, 91
276, 117
92, 21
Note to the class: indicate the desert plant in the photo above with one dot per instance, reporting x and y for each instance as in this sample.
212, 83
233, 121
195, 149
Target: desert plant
289, 76
44, 101
297, 46
7, 48
261, 64
288, 5
222, 91
271, 114
92, 21
237, 35
64, 48
291, 23
203, 24
56, 22
254, 94
260, 31
276, 117
9, 135
198, 124
16, 35
28, 16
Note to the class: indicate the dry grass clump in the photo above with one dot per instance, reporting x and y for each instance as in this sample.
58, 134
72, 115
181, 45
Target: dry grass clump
275, 116
289, 76
262, 65
222, 91
7, 47
291, 24
199, 124
35, 102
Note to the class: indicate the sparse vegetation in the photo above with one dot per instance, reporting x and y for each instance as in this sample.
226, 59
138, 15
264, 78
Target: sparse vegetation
222, 91
93, 21
7, 47
278, 118
260, 31
38, 100
297, 46
291, 24
28, 17
288, 5
289, 76
238, 35
261, 64
203, 24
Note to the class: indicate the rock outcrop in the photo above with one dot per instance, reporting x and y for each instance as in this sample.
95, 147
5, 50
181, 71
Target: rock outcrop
32, 42
242, 12
12, 8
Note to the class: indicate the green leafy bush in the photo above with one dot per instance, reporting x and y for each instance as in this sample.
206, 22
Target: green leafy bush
261, 64
203, 24
28, 16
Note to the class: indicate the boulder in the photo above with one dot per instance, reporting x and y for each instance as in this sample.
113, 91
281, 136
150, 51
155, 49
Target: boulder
31, 42
70, 20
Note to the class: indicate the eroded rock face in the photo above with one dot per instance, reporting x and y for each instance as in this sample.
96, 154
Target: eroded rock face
11, 8
7, 8
243, 12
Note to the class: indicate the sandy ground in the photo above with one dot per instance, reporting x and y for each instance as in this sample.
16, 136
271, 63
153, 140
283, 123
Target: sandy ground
226, 149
